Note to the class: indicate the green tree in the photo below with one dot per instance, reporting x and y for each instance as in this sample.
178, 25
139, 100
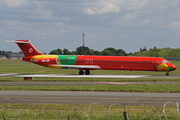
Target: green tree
82, 50
66, 52
112, 50
91, 52
107, 52
120, 52
53, 52
140, 49
56, 52
97, 52
74, 53
144, 49
59, 51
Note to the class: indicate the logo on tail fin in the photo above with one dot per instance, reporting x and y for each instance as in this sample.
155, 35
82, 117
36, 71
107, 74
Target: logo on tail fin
30, 50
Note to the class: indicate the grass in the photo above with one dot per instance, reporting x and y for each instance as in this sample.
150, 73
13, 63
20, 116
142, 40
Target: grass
21, 67
96, 111
43, 79
168, 88
49, 111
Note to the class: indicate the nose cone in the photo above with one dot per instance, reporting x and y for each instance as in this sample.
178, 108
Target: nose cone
172, 67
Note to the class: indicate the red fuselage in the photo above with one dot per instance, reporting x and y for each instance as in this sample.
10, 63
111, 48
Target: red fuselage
123, 63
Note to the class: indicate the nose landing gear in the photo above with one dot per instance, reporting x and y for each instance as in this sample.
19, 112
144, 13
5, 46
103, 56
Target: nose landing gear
167, 74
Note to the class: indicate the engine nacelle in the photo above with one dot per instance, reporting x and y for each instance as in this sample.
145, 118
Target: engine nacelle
46, 61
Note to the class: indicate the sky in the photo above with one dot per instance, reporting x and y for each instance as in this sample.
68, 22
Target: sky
121, 24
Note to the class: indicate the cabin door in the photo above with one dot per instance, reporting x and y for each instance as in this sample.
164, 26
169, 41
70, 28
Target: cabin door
157, 63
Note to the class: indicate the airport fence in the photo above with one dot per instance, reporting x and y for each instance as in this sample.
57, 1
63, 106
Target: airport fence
136, 110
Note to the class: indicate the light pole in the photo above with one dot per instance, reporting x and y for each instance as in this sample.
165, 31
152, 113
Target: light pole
83, 43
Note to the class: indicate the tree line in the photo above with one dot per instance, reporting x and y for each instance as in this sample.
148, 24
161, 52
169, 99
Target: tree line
110, 51
3, 52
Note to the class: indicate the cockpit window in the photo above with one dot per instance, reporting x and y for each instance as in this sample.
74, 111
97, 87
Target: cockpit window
164, 61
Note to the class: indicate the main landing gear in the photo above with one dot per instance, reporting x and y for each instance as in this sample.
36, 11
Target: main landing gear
81, 72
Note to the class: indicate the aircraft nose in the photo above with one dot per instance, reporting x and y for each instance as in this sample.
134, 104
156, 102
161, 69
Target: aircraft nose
172, 67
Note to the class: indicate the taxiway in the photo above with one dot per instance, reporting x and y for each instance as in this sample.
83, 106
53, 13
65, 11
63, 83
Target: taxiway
73, 97
72, 76
89, 76
79, 97
31, 83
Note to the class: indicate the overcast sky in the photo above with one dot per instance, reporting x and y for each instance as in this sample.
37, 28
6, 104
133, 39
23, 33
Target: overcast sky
122, 24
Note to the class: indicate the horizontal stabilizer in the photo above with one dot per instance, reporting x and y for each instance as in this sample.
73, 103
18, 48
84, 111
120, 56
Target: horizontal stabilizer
17, 41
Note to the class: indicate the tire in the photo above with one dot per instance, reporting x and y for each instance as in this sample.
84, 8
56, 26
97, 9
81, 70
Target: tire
81, 72
87, 72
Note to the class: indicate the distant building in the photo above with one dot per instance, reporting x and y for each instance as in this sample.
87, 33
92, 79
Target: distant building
11, 55
2, 56
173, 58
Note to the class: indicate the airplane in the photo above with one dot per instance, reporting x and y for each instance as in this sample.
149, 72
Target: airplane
90, 62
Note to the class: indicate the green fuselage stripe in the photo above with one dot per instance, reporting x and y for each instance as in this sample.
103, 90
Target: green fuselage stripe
67, 59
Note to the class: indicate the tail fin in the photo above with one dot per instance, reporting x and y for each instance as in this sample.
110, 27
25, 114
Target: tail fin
26, 47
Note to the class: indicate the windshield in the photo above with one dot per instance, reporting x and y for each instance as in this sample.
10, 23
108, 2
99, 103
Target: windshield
164, 61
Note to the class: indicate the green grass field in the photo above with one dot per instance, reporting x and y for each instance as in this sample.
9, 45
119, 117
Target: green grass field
82, 112
171, 88
20, 67
97, 112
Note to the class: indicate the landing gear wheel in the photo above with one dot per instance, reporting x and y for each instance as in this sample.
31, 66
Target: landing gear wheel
87, 72
81, 72
167, 74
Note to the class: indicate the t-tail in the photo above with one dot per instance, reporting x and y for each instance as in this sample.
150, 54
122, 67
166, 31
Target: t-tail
27, 48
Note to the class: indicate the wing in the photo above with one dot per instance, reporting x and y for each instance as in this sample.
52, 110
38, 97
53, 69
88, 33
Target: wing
79, 66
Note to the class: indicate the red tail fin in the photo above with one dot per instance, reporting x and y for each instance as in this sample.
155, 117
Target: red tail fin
27, 48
